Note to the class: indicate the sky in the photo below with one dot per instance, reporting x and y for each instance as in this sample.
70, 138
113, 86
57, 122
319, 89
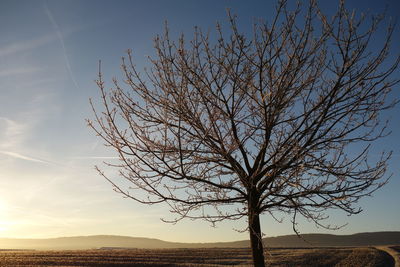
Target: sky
49, 54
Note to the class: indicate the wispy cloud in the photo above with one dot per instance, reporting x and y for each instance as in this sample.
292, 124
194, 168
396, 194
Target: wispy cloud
25, 45
61, 39
23, 157
18, 71
11, 132
14, 134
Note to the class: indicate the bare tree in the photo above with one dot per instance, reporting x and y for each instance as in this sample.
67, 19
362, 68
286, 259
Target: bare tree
281, 121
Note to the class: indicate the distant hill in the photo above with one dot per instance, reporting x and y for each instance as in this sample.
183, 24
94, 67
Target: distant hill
110, 241
327, 240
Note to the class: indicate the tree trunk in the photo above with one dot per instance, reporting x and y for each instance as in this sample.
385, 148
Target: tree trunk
256, 240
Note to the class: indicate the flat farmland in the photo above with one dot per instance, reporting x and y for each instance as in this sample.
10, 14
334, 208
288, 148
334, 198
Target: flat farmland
354, 257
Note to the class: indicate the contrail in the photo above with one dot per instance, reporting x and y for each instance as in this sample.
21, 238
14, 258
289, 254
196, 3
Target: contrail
95, 157
61, 38
19, 156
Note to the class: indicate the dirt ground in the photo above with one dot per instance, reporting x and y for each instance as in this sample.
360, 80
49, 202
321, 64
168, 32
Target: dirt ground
352, 257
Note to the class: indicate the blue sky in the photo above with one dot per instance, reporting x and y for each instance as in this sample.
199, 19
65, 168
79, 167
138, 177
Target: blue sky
49, 52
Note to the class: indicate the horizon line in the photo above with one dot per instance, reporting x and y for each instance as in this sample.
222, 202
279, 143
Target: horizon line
116, 235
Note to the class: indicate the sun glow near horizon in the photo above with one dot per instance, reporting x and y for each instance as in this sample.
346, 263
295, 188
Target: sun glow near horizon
4, 220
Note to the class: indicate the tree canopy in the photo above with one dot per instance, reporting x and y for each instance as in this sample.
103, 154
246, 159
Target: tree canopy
278, 121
